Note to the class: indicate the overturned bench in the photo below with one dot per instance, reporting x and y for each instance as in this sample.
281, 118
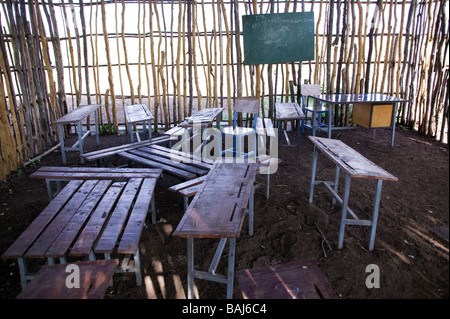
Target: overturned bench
111, 151
354, 165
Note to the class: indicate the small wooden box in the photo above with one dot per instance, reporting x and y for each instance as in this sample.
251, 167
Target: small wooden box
372, 115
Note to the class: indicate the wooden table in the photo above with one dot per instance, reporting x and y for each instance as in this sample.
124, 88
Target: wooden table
50, 282
354, 165
384, 106
289, 112
88, 217
77, 116
217, 211
137, 113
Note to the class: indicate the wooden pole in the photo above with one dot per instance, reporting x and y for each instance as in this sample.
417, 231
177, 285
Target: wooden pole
110, 75
127, 67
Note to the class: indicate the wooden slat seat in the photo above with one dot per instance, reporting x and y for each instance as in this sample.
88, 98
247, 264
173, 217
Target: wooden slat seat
50, 281
184, 165
111, 151
63, 173
88, 217
293, 280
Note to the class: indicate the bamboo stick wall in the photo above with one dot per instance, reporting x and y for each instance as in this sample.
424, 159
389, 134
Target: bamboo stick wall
180, 55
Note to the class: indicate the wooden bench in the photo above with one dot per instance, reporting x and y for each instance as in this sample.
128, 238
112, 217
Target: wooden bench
354, 165
184, 165
188, 189
293, 280
137, 113
77, 116
89, 217
111, 151
50, 282
60, 174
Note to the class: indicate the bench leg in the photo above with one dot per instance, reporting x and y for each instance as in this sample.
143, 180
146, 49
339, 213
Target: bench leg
137, 268
344, 210
298, 140
97, 129
376, 207
61, 141
217, 255
23, 272
251, 211
336, 182
153, 209
190, 267
313, 175
231, 258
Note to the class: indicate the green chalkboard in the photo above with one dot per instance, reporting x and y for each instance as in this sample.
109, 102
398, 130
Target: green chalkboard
278, 37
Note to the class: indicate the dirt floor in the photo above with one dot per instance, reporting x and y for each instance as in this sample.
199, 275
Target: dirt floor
413, 262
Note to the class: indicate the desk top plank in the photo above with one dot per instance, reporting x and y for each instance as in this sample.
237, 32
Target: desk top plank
288, 111
133, 230
50, 281
94, 226
115, 224
113, 173
350, 160
218, 208
62, 243
138, 113
374, 98
77, 114
49, 235
26, 239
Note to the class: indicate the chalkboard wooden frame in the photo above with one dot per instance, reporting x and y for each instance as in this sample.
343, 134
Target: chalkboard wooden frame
278, 37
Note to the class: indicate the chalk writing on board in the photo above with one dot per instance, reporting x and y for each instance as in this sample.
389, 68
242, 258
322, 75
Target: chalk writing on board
278, 37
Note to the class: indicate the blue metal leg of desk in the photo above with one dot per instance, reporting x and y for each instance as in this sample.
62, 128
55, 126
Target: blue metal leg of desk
394, 114
61, 140
344, 210
313, 175
210, 274
190, 267
376, 207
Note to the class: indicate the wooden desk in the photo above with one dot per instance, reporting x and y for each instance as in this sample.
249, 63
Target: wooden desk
204, 117
50, 281
289, 112
137, 113
77, 116
354, 165
88, 217
217, 211
373, 99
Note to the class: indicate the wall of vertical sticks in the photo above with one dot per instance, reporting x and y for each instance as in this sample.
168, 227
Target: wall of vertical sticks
181, 55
